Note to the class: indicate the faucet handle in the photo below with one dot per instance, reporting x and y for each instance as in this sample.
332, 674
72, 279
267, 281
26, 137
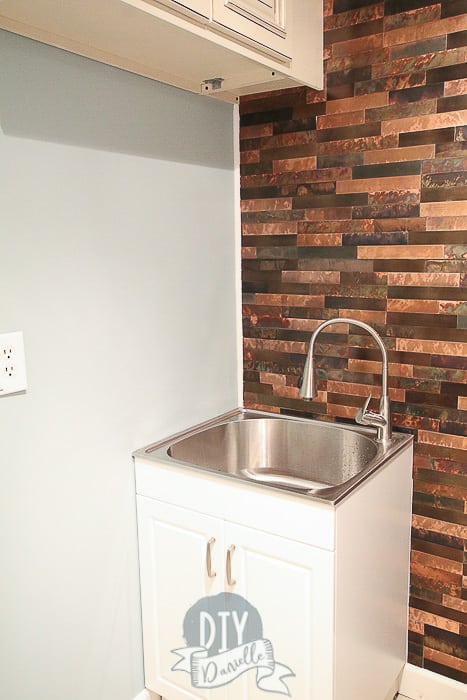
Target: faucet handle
360, 417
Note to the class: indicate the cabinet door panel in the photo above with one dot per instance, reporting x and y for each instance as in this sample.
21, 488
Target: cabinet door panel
264, 22
291, 586
201, 7
173, 545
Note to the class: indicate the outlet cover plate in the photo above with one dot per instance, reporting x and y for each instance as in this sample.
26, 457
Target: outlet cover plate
12, 363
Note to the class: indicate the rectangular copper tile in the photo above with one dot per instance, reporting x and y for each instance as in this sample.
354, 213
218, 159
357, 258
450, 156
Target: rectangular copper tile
370, 27
403, 182
449, 8
337, 226
432, 279
421, 93
378, 237
446, 642
448, 223
365, 315
412, 306
403, 14
391, 82
386, 210
452, 104
424, 31
442, 209
415, 63
304, 324
390, 169
373, 367
455, 308
393, 155
315, 96
427, 523
365, 390
312, 276
353, 16
275, 345
439, 75
272, 229
400, 224
352, 104
454, 441
434, 136
286, 140
365, 43
431, 346
307, 201
290, 300
445, 165
249, 156
399, 110
423, 617
455, 87
445, 659
328, 213
443, 194
303, 122
248, 252
295, 164
436, 562
319, 239
452, 493
341, 119
278, 203
424, 123
455, 603
401, 251
342, 150
399, 198
356, 60
255, 131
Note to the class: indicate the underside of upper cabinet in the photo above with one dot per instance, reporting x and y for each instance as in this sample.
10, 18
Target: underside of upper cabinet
224, 48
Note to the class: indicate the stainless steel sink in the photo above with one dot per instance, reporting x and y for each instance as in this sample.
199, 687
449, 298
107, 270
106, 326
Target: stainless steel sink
322, 460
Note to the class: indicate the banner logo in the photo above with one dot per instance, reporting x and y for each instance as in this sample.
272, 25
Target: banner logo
224, 637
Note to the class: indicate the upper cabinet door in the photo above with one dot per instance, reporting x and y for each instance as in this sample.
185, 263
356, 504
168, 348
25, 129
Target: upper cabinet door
263, 22
201, 7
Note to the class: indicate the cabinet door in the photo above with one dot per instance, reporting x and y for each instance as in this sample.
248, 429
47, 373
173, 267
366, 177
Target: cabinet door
173, 549
201, 7
265, 22
291, 586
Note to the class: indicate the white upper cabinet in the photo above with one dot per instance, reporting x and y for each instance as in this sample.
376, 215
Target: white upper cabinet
224, 48
262, 21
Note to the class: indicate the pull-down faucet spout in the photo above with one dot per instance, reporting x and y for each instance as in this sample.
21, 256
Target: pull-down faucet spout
382, 420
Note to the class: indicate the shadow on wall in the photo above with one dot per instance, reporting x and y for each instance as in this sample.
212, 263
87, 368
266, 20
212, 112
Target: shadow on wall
56, 101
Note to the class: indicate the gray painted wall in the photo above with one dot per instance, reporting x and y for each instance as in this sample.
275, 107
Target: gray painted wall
117, 254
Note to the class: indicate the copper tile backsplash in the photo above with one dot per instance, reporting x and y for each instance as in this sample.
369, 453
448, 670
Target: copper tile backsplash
354, 203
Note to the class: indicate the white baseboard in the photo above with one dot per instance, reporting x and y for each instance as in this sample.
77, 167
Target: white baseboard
420, 684
147, 695
416, 684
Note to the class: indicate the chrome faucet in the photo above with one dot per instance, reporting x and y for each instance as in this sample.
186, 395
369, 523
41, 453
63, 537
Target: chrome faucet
382, 420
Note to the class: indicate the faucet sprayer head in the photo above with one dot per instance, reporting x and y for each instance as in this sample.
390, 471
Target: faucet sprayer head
308, 388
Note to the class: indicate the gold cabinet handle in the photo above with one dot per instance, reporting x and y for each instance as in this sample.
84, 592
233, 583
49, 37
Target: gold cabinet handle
228, 565
209, 547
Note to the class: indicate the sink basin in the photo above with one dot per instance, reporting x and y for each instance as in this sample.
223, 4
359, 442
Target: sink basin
313, 458
279, 451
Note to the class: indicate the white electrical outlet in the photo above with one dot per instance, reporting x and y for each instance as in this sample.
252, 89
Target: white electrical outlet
12, 363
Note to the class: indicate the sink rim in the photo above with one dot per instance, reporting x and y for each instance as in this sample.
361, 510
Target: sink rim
158, 452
